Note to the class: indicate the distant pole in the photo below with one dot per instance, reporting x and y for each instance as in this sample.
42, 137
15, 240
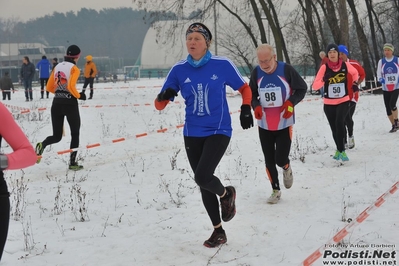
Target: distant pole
214, 20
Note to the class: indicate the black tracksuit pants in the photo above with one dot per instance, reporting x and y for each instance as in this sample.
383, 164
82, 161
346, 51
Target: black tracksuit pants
204, 155
43, 83
89, 81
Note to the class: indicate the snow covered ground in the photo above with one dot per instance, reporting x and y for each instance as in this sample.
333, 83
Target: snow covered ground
136, 202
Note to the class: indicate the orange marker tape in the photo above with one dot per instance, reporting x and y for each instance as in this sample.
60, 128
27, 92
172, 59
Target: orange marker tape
344, 232
118, 140
141, 135
93, 145
65, 151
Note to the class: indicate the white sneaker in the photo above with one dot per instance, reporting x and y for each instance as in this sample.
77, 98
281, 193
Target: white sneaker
288, 178
351, 142
275, 197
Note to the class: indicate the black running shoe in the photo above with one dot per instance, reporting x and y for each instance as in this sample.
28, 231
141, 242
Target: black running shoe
216, 239
228, 204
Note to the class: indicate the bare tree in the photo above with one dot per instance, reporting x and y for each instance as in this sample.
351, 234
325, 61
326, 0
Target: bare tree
328, 9
311, 30
363, 42
369, 6
344, 23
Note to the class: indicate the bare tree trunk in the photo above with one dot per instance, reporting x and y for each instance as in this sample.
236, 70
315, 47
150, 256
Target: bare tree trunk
311, 30
248, 29
344, 22
276, 30
369, 5
280, 34
362, 41
259, 21
331, 18
323, 42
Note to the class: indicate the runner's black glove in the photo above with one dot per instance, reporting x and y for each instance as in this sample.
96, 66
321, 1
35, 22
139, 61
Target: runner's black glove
246, 119
82, 96
166, 94
355, 88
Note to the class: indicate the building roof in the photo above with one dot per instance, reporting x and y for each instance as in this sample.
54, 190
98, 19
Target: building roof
16, 49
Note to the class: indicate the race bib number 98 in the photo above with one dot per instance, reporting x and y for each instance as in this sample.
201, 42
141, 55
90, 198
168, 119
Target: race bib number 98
271, 97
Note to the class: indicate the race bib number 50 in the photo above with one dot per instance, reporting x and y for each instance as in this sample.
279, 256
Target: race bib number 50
336, 90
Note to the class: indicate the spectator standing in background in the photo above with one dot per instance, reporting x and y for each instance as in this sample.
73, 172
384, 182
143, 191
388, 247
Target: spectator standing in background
90, 73
27, 73
55, 62
44, 68
6, 86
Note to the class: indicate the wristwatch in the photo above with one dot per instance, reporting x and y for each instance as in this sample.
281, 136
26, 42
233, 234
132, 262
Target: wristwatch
3, 162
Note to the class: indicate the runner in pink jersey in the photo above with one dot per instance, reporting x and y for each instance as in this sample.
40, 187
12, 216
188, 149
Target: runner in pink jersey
23, 155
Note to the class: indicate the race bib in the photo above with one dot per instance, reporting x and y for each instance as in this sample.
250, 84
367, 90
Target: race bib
336, 90
271, 97
390, 78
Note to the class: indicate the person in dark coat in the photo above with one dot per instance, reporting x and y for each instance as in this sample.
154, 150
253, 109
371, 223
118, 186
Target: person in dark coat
44, 68
27, 73
6, 86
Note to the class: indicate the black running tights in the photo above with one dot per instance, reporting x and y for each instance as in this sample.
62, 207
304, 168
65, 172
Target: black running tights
204, 155
390, 99
336, 115
58, 112
4, 212
349, 119
276, 146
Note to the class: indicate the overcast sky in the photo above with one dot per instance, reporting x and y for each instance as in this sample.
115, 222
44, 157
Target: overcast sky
31, 9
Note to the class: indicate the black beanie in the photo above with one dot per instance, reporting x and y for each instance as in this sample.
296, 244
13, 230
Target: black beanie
332, 47
73, 51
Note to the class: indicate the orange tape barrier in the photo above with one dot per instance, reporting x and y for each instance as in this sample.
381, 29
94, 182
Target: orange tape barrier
94, 145
103, 88
344, 231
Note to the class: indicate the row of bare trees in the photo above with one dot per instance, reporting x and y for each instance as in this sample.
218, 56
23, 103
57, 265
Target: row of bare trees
298, 29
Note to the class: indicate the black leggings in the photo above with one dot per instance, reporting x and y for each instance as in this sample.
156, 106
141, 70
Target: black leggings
204, 155
4, 212
43, 82
336, 115
349, 119
58, 112
390, 99
276, 146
